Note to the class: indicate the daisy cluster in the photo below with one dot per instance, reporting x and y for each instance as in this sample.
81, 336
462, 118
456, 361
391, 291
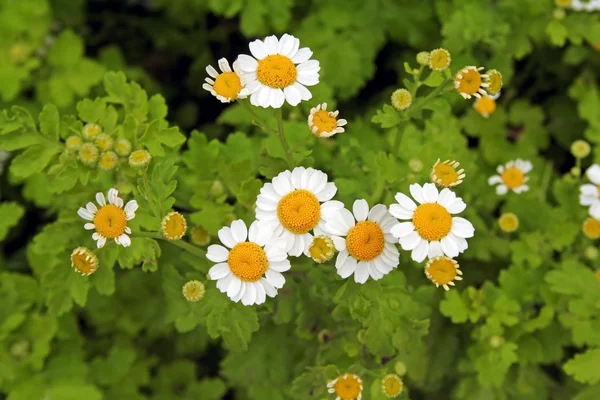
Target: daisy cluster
589, 196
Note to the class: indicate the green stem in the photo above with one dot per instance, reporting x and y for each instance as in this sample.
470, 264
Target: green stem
378, 191
545, 180
179, 243
281, 134
434, 93
257, 120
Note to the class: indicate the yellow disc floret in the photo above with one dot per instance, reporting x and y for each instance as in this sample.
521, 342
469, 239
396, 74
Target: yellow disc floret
439, 59
485, 106
401, 99
513, 177
73, 142
84, 261
346, 387
443, 271
110, 221
248, 261
228, 85
104, 141
392, 385
108, 160
123, 147
508, 222
88, 154
321, 249
563, 3
365, 241
276, 71
580, 149
299, 211
173, 226
91, 130
432, 221
446, 173
469, 82
494, 81
140, 158
323, 121
193, 291
591, 228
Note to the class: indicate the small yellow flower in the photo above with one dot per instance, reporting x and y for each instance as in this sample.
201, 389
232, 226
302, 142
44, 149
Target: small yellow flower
323, 123
91, 130
227, 85
104, 141
447, 174
470, 82
415, 165
591, 253
392, 386
401, 99
439, 59
494, 81
140, 158
591, 228
508, 222
423, 58
580, 149
84, 261
108, 160
173, 226
443, 271
193, 291
485, 106
200, 236
73, 143
346, 387
321, 249
123, 147
88, 154
563, 3
400, 368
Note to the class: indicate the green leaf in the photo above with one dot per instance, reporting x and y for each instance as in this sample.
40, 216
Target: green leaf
434, 79
584, 367
387, 118
50, 121
67, 49
33, 160
10, 214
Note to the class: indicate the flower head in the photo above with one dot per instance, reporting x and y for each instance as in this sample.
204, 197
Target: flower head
470, 82
323, 123
401, 99
200, 236
494, 81
392, 385
278, 71
73, 142
110, 220
585, 5
91, 130
512, 176
439, 59
485, 105
364, 241
297, 202
84, 261
193, 291
321, 249
346, 387
580, 149
589, 194
431, 230
446, 173
173, 226
123, 147
443, 271
508, 222
88, 154
248, 270
423, 58
140, 158
591, 228
108, 160
563, 3
104, 141
226, 86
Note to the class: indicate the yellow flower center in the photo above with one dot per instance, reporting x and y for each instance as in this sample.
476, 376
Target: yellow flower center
88, 153
248, 261
432, 221
174, 226
299, 211
73, 142
110, 221
513, 177
90, 131
365, 241
442, 270
348, 387
104, 141
509, 222
123, 147
139, 158
591, 228
84, 261
228, 85
276, 71
494, 81
108, 160
446, 173
324, 122
321, 249
392, 385
485, 105
401, 99
193, 291
469, 82
439, 59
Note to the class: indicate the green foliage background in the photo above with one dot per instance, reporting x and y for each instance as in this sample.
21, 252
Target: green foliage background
524, 322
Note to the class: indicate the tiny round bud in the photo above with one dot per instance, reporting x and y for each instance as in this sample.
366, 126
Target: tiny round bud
20, 349
576, 172
73, 143
200, 236
122, 147
423, 58
494, 81
91, 130
559, 14
496, 341
563, 3
401, 99
400, 368
193, 291
104, 141
415, 165
173, 226
580, 149
88, 154
591, 253
508, 222
140, 158
217, 189
108, 160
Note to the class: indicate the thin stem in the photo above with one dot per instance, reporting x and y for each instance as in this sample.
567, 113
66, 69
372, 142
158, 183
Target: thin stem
179, 243
281, 134
378, 191
545, 180
256, 118
434, 93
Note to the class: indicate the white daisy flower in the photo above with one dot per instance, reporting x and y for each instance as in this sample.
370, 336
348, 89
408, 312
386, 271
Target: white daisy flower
252, 269
432, 230
366, 246
323, 123
585, 5
227, 85
110, 220
512, 176
296, 203
279, 70
589, 195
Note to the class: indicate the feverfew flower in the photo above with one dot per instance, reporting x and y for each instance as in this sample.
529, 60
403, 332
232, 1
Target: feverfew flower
226, 86
443, 271
193, 291
508, 222
91, 130
110, 220
173, 226
296, 203
391, 386
439, 59
469, 81
248, 270
364, 241
278, 71
446, 173
84, 261
346, 387
591, 228
512, 176
494, 81
589, 194
485, 106
585, 5
432, 230
401, 99
321, 249
323, 123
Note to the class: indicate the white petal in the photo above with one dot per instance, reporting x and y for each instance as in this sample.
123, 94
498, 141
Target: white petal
587, 200
435, 249
261, 295
400, 212
276, 98
416, 192
89, 226
239, 231
378, 213
101, 242
402, 229
100, 199
282, 185
430, 193
286, 42
588, 189
410, 241
495, 179
327, 193
226, 237
302, 55
462, 228
280, 266
501, 189
360, 208
85, 214
446, 197
219, 271
348, 268
124, 240
234, 288
246, 63
269, 289
112, 196
210, 70
224, 65
217, 253
457, 206
250, 296
593, 174
338, 242
131, 207
91, 208
258, 49
292, 95
361, 274
271, 44
275, 278
305, 94
405, 201
449, 247
421, 251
